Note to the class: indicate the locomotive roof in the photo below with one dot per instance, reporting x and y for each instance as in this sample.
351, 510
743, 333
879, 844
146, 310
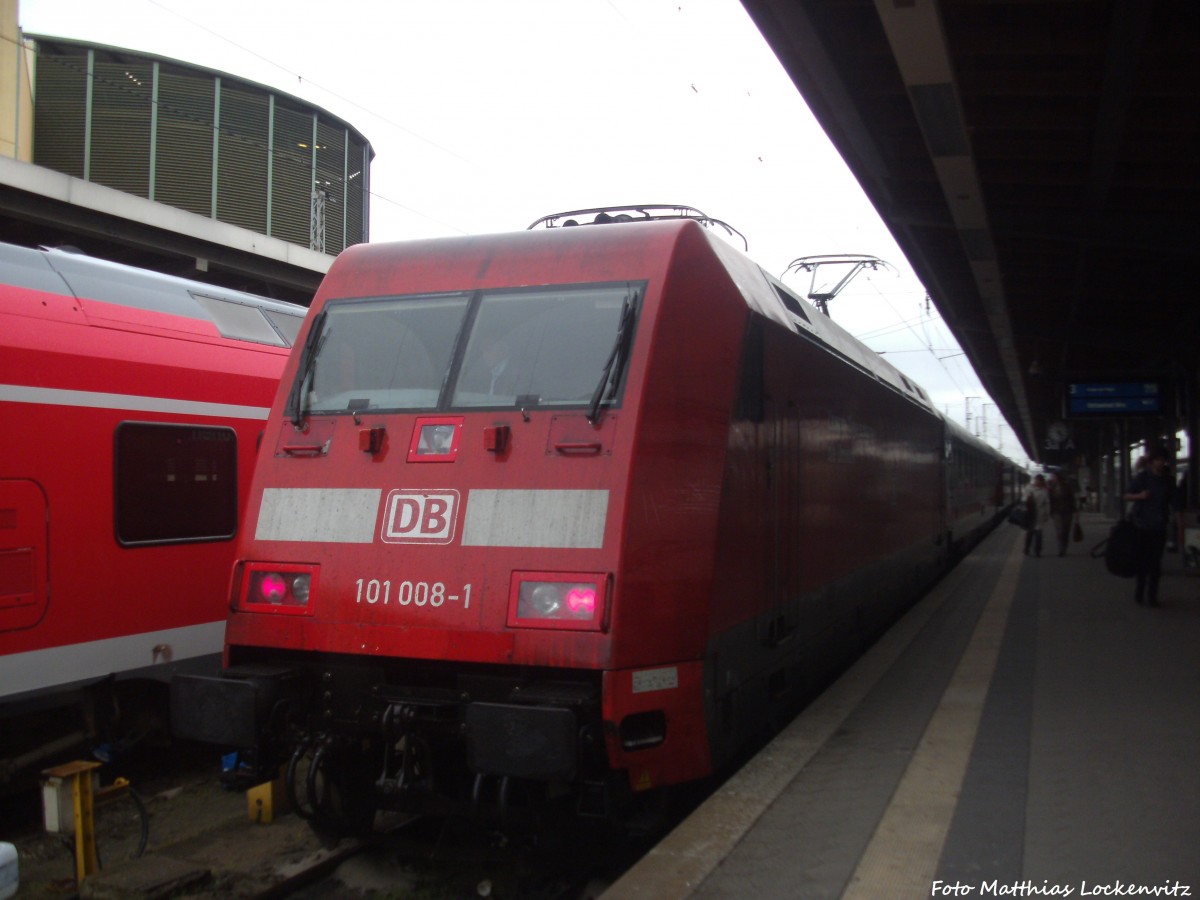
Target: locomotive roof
769, 296
381, 267
84, 277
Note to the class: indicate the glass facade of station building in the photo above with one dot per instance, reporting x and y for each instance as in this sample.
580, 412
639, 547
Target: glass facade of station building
201, 141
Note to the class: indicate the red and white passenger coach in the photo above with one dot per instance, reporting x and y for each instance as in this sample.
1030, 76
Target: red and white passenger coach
132, 404
581, 510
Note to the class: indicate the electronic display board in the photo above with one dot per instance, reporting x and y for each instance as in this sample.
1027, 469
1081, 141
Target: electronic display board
1116, 398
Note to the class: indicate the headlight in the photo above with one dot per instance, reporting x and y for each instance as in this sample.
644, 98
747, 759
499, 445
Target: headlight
557, 600
301, 587
540, 600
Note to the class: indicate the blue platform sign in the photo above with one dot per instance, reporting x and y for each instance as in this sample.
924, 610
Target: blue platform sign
1115, 398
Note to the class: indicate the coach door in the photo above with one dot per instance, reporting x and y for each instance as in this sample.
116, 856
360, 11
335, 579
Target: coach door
23, 567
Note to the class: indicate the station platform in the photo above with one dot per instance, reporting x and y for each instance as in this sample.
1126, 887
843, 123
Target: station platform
1027, 730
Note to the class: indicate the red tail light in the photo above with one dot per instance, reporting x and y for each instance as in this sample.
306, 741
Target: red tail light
567, 600
287, 589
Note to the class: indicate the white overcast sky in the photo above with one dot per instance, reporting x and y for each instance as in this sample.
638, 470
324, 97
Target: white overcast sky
488, 114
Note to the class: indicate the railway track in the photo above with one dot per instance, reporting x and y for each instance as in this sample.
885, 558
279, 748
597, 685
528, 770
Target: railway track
200, 842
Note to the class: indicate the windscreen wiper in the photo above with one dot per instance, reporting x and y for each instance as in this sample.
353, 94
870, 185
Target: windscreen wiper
308, 362
611, 376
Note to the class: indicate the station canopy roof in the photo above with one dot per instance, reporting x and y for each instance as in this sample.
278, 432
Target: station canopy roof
1037, 162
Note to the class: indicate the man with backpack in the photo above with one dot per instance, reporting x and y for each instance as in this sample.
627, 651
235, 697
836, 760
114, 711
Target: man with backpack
1151, 492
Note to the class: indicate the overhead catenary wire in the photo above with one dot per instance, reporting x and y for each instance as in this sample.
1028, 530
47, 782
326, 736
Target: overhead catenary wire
308, 81
931, 326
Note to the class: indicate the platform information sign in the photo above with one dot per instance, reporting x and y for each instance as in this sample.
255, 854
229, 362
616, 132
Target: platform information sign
1115, 398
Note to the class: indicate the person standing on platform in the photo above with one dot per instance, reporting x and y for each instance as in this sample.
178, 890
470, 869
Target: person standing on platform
1151, 492
1062, 510
1037, 505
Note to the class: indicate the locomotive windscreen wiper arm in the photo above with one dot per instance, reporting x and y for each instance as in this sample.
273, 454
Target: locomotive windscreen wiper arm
610, 377
308, 361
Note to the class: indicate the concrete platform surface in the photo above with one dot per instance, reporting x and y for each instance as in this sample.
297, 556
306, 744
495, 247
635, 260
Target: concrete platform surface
1027, 730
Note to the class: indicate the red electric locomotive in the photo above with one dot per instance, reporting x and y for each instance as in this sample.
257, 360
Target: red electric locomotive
576, 511
132, 404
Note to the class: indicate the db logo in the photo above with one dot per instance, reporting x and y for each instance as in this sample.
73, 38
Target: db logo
420, 517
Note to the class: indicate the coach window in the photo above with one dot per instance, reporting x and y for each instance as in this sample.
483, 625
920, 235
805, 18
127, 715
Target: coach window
240, 321
174, 483
286, 324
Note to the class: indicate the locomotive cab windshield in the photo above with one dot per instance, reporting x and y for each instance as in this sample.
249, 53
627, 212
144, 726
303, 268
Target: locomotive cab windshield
560, 346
